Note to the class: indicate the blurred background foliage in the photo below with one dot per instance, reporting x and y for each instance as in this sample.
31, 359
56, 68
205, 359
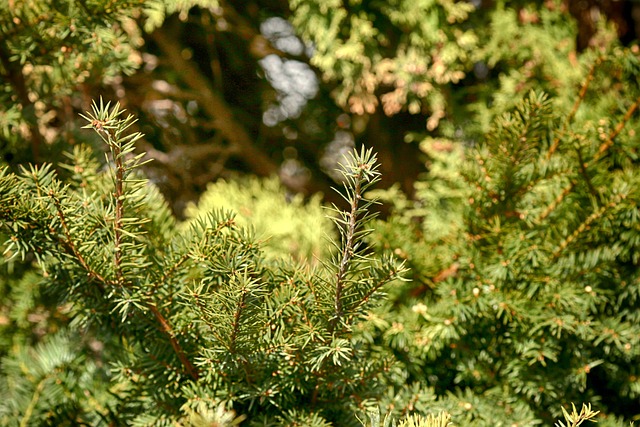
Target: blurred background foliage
299, 229
284, 88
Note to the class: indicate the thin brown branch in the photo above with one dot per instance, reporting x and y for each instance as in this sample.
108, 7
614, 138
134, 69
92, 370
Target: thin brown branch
68, 243
381, 282
115, 148
168, 331
212, 327
615, 132
604, 147
576, 105
34, 400
235, 328
119, 213
556, 202
168, 273
165, 326
166, 365
216, 107
585, 225
583, 170
347, 252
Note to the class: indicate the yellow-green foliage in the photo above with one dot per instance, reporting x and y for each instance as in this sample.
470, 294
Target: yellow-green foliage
288, 224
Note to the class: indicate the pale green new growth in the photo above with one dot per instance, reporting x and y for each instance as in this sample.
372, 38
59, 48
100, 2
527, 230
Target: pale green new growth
299, 229
443, 419
574, 419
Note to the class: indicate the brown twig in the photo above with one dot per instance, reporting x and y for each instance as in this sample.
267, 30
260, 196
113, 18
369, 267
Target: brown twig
347, 251
576, 105
235, 327
212, 328
557, 201
381, 282
168, 273
68, 243
165, 326
586, 224
615, 132
216, 107
168, 330
584, 166
585, 175
119, 213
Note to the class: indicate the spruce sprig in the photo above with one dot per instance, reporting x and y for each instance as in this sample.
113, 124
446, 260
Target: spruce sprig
128, 202
111, 127
356, 275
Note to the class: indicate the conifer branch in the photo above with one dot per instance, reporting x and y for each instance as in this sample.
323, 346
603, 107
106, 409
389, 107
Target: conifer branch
583, 170
119, 195
177, 348
615, 132
168, 273
347, 250
173, 268
294, 301
360, 173
166, 365
106, 123
576, 105
235, 327
575, 418
380, 282
585, 165
556, 202
586, 223
25, 421
212, 327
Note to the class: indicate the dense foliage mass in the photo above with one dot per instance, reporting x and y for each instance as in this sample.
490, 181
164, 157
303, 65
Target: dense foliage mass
500, 285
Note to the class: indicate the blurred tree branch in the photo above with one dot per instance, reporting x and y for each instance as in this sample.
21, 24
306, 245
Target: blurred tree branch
222, 118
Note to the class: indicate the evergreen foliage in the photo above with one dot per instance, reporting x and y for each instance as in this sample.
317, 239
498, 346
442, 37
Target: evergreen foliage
530, 293
195, 68
48, 50
504, 286
191, 323
196, 314
400, 48
458, 64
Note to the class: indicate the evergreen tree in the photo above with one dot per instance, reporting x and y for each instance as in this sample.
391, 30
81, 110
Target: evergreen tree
50, 52
217, 74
